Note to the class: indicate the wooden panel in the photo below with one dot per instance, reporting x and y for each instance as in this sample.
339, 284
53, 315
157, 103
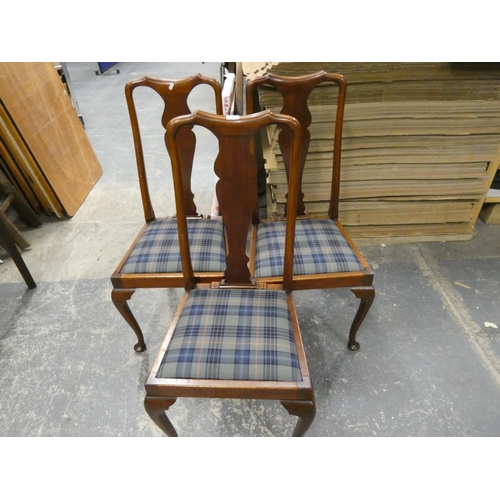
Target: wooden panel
24, 167
39, 105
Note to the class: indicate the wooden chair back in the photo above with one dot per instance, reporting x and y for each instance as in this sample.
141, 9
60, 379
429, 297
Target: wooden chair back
295, 92
236, 189
175, 94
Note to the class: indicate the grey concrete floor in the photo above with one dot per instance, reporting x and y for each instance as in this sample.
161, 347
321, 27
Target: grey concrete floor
429, 364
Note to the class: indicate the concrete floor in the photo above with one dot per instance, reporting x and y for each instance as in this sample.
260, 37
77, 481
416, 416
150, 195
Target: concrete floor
428, 366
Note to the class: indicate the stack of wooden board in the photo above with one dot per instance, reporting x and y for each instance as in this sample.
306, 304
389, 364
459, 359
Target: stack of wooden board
420, 147
44, 149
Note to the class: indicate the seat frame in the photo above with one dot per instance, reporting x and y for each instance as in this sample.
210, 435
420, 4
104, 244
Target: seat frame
295, 92
175, 94
237, 193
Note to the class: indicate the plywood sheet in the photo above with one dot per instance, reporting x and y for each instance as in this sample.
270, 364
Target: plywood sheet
24, 167
39, 105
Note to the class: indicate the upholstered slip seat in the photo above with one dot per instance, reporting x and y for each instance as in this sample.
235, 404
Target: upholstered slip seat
320, 247
158, 250
228, 334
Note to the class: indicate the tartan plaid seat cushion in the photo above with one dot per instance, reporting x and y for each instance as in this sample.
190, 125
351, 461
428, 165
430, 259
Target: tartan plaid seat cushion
237, 334
158, 250
319, 248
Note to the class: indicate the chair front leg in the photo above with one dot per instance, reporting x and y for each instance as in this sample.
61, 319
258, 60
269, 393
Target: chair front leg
156, 408
119, 298
305, 410
366, 294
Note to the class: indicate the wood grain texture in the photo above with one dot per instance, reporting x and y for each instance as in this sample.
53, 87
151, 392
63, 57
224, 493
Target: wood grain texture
41, 109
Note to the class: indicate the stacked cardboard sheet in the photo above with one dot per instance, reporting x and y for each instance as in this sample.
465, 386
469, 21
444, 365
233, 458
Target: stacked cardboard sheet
420, 147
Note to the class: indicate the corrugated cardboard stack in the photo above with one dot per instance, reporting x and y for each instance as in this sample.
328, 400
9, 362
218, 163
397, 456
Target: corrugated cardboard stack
420, 147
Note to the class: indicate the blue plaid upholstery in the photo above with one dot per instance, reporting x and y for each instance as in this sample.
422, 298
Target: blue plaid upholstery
238, 334
158, 251
320, 248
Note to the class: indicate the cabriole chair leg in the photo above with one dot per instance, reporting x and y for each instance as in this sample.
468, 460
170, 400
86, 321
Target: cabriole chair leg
156, 408
119, 298
366, 294
305, 410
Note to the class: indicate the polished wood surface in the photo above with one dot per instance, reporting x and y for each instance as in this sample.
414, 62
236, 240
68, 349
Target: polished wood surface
175, 94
